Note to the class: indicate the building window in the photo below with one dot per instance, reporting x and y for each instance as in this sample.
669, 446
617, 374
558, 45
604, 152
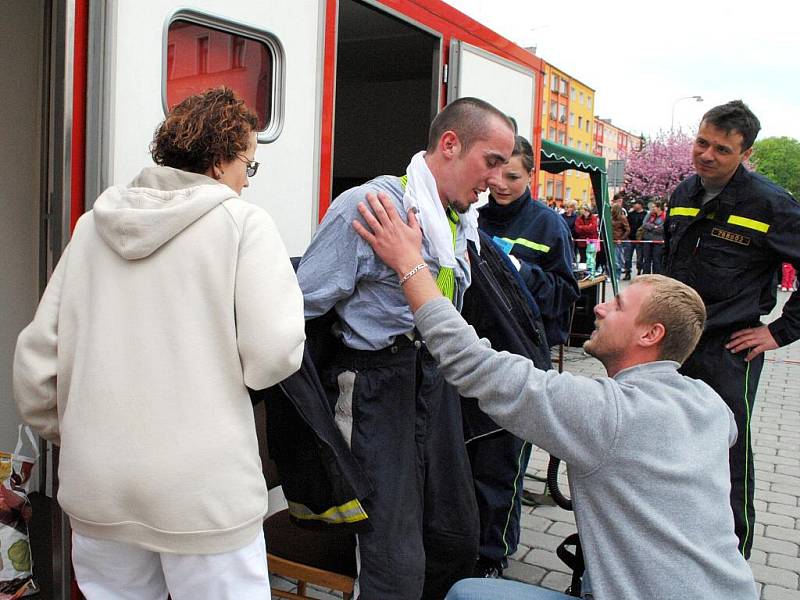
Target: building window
580, 122
170, 60
572, 119
539, 190
563, 87
570, 141
580, 97
569, 194
553, 109
588, 123
583, 194
237, 53
589, 101
580, 145
559, 190
572, 94
552, 134
561, 137
550, 190
554, 82
562, 113
204, 52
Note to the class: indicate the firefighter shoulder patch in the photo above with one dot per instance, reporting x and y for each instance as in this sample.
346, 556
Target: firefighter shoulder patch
729, 236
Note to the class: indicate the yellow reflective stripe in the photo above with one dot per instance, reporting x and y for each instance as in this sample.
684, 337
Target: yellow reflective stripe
404, 182
349, 512
528, 244
683, 211
749, 223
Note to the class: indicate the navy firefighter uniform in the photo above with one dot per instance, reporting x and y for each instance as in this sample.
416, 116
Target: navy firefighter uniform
539, 239
730, 250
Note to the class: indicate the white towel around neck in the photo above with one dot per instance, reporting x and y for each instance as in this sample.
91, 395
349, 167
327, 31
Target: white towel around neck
421, 193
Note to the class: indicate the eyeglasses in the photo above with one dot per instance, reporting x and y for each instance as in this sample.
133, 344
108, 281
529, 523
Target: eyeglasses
252, 166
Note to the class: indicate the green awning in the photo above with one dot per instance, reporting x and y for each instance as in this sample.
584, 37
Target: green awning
556, 158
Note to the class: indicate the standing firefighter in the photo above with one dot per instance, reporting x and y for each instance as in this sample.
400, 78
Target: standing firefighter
726, 235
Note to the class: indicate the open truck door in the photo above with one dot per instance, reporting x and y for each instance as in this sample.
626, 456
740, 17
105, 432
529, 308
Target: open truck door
507, 85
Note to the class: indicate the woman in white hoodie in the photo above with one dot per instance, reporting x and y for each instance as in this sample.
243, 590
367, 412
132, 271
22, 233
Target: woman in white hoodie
172, 297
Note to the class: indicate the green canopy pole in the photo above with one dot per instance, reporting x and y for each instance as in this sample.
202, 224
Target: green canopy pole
555, 158
600, 187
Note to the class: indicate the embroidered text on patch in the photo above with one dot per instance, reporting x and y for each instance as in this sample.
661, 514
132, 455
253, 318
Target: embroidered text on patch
730, 236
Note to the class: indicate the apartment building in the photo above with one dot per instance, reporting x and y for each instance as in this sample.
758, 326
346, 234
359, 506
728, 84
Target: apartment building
567, 119
613, 143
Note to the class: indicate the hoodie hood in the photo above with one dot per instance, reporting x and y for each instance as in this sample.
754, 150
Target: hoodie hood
159, 203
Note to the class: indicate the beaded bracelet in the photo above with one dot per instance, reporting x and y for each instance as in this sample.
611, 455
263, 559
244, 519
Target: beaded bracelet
412, 272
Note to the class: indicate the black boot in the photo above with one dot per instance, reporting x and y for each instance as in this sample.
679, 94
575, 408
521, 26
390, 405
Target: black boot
627, 276
488, 569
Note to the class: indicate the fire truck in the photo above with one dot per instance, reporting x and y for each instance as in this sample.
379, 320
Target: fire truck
344, 90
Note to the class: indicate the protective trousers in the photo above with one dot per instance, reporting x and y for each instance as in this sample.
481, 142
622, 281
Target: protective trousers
498, 467
403, 424
737, 382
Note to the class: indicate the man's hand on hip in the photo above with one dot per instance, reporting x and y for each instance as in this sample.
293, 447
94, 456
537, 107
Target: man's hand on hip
756, 339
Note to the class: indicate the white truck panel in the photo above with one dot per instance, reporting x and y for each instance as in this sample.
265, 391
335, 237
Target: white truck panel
507, 85
286, 183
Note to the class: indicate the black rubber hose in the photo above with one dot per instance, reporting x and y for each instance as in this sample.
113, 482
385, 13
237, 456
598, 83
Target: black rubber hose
552, 484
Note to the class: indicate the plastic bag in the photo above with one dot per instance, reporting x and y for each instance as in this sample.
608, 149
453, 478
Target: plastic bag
16, 563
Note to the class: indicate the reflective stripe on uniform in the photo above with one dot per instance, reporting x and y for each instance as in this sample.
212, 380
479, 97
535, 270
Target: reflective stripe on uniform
746, 457
749, 223
683, 211
528, 244
349, 512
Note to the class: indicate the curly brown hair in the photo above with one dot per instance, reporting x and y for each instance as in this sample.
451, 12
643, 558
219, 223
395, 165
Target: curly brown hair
214, 125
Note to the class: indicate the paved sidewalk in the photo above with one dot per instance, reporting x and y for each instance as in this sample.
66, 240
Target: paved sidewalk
775, 429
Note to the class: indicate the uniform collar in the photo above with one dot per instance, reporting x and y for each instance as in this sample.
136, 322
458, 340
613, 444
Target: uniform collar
502, 214
740, 176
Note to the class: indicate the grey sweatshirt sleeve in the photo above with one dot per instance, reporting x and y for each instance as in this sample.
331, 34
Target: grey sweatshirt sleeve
574, 418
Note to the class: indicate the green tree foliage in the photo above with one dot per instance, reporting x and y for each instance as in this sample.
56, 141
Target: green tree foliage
779, 159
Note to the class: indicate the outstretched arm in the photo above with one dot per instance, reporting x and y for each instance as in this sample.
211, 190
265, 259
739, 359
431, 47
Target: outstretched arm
572, 417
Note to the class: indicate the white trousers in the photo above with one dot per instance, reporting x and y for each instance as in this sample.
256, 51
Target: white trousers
107, 570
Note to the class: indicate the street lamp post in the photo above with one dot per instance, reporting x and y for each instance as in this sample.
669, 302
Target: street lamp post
672, 119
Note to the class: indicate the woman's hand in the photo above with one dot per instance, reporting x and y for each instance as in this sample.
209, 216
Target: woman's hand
397, 244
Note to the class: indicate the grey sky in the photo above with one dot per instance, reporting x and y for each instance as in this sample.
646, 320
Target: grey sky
641, 57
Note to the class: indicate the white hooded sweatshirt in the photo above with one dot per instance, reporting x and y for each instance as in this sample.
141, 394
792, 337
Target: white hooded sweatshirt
172, 296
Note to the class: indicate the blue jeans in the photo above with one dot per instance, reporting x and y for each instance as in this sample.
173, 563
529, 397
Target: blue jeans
501, 589
619, 257
651, 262
630, 248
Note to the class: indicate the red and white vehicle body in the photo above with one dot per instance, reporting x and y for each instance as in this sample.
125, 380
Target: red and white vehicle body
346, 90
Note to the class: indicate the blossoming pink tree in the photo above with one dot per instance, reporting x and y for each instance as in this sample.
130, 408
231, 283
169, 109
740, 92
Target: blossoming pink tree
661, 164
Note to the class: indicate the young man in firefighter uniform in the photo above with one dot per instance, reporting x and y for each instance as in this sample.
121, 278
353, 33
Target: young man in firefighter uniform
401, 420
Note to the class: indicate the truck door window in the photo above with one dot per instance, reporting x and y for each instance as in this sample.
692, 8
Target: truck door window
201, 56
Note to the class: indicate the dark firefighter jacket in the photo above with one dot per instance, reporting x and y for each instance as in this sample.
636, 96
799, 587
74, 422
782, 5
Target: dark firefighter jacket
322, 481
731, 249
500, 308
541, 241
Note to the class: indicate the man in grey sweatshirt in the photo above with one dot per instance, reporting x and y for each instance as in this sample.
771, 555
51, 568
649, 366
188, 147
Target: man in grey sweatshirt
647, 448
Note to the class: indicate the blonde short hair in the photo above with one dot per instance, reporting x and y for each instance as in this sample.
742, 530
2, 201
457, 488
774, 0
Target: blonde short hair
679, 309
572, 203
